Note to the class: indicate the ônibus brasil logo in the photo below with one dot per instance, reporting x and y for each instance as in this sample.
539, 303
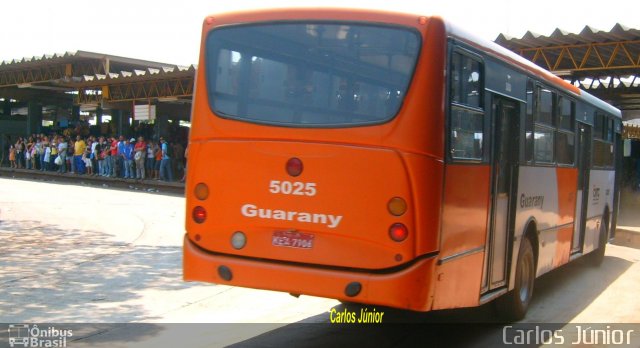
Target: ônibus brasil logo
24, 335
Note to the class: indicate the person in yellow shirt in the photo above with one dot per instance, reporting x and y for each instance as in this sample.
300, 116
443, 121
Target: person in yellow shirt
54, 153
54, 147
79, 147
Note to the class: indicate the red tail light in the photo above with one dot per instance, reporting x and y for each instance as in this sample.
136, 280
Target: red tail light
199, 214
398, 232
294, 166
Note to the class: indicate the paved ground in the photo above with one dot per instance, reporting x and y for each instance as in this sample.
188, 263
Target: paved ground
96, 255
73, 254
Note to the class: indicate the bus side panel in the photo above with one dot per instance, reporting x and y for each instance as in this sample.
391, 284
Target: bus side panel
426, 178
464, 222
600, 197
563, 246
457, 283
567, 183
538, 201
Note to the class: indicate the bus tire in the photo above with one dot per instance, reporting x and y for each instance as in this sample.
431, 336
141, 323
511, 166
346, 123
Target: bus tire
513, 305
596, 257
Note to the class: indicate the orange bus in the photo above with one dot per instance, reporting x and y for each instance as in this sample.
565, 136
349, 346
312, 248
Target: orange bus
389, 159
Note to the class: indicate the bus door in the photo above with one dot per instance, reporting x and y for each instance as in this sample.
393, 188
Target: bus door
505, 152
582, 193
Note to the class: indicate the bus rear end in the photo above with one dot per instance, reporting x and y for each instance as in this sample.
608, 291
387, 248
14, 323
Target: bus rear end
310, 170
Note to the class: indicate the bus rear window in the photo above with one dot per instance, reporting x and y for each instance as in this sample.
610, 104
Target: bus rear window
310, 75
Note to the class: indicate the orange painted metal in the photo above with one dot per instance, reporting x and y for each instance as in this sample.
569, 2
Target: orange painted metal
465, 208
409, 288
464, 228
457, 283
567, 185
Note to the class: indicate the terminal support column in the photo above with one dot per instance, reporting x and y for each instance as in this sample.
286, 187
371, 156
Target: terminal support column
162, 124
126, 122
6, 107
34, 118
75, 114
116, 117
99, 113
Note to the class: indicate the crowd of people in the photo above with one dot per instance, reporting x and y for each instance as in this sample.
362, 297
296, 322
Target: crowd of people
108, 157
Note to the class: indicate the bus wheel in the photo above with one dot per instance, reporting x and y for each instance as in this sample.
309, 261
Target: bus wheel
513, 305
596, 257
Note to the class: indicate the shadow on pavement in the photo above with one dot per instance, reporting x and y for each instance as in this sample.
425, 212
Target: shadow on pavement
571, 288
574, 286
48, 274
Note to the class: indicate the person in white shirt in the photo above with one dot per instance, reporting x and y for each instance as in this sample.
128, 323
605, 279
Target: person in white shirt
62, 153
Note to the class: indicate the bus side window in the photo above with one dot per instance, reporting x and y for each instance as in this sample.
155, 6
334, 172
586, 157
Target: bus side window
603, 146
471, 82
543, 136
466, 116
466, 134
599, 126
528, 122
567, 114
465, 81
610, 130
543, 144
544, 111
565, 137
456, 62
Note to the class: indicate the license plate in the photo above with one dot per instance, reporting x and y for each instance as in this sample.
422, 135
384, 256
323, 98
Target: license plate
292, 239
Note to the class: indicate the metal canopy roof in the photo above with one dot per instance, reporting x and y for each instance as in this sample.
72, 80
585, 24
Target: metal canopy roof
605, 63
588, 34
67, 57
88, 78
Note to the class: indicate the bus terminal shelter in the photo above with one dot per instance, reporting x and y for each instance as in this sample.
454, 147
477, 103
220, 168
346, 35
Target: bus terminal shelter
603, 63
96, 94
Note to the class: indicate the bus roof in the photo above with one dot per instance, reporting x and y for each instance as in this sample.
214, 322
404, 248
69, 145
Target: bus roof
527, 66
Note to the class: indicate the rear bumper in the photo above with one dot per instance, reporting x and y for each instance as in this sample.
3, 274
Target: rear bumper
408, 288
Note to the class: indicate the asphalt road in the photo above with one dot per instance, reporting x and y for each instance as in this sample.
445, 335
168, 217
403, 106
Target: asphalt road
90, 257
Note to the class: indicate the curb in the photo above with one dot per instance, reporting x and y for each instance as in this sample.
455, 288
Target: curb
627, 237
95, 181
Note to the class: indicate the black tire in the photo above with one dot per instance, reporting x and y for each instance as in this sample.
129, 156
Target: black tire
596, 257
513, 305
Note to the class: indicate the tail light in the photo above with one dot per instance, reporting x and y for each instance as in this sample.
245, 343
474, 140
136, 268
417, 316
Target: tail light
398, 232
397, 206
199, 214
201, 191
